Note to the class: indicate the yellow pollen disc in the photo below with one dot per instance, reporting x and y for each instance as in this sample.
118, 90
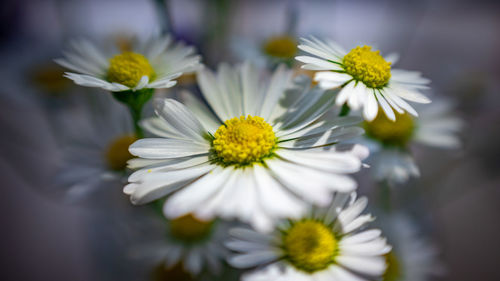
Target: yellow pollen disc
393, 271
50, 78
128, 68
283, 47
243, 140
367, 66
117, 153
188, 228
390, 132
310, 245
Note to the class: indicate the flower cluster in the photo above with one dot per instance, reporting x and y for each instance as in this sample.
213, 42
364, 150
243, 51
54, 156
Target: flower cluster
255, 169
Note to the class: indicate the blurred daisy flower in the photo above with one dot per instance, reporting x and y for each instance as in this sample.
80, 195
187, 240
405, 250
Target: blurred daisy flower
270, 51
389, 141
260, 156
277, 46
366, 78
327, 244
150, 64
195, 244
95, 142
413, 258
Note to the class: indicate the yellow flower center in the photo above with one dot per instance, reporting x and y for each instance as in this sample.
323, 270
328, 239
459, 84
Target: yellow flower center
367, 66
117, 153
390, 132
283, 47
310, 245
128, 68
50, 78
393, 271
243, 140
188, 228
174, 273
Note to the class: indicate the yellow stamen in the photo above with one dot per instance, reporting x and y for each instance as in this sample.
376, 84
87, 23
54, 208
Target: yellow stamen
117, 153
244, 140
390, 132
367, 66
283, 47
188, 228
393, 271
128, 68
310, 245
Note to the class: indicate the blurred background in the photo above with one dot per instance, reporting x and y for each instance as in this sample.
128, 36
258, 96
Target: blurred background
454, 43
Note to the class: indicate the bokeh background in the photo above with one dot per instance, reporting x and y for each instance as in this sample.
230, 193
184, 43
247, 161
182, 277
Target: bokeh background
454, 43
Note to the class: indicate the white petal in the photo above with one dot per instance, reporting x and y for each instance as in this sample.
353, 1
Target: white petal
385, 106
330, 76
361, 237
168, 165
370, 109
345, 93
274, 198
410, 95
193, 196
401, 102
331, 161
319, 63
211, 91
252, 259
365, 265
201, 111
372, 248
280, 81
156, 148
157, 185
178, 116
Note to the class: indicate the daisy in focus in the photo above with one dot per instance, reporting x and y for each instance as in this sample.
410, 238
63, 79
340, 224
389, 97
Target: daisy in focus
94, 145
389, 141
195, 244
150, 64
327, 244
261, 156
412, 258
366, 78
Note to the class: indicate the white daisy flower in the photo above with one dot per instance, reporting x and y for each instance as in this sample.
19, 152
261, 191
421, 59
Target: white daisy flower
366, 78
154, 63
389, 141
263, 134
325, 245
195, 244
95, 140
413, 257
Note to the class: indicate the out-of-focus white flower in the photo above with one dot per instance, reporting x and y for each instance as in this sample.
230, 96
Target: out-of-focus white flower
413, 258
153, 63
366, 78
325, 245
260, 157
389, 141
195, 244
94, 138
269, 51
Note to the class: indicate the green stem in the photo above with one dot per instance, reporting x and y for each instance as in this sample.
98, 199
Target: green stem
136, 113
135, 101
345, 110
